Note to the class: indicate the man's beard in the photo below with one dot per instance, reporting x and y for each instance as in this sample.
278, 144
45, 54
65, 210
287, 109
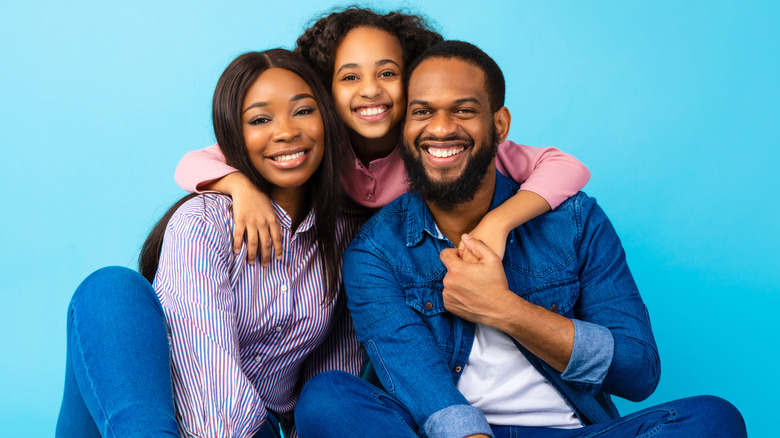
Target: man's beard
449, 194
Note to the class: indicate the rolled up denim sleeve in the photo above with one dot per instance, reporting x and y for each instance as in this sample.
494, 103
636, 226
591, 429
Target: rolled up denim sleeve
407, 359
614, 349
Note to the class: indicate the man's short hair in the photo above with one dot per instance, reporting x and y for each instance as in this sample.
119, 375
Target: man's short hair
494, 77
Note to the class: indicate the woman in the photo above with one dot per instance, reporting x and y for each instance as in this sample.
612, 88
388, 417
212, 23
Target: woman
362, 56
244, 339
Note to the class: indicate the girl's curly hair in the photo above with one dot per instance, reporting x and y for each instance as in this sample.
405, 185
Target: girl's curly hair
319, 42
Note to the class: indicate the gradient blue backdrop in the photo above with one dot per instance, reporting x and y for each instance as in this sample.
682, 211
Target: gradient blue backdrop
672, 105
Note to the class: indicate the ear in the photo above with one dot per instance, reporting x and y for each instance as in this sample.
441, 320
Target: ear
501, 120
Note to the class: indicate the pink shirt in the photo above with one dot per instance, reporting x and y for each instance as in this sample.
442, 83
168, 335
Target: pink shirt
548, 172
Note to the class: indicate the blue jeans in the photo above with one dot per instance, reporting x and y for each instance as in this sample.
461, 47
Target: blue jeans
339, 404
117, 369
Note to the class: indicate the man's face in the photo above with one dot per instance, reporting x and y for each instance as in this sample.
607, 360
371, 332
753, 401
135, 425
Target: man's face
449, 138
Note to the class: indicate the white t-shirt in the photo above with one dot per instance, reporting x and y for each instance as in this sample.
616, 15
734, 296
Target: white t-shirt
499, 381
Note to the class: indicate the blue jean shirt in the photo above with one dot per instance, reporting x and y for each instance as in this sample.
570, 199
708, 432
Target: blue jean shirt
569, 260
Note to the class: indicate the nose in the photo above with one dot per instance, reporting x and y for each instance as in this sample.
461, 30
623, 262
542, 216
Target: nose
441, 125
286, 130
369, 88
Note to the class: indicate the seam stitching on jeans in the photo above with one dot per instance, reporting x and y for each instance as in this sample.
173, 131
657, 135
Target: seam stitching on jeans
86, 371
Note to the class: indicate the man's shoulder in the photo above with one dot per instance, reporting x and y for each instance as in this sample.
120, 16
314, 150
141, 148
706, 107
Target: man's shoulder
389, 226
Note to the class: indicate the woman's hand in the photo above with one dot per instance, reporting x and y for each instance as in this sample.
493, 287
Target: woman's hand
253, 216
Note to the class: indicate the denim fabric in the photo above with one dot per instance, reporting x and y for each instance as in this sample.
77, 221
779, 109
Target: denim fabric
569, 260
117, 369
117, 381
340, 404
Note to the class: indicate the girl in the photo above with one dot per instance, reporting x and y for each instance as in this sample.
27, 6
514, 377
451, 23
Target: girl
244, 340
362, 55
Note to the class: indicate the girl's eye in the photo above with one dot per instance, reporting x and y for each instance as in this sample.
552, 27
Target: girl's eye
349, 78
387, 74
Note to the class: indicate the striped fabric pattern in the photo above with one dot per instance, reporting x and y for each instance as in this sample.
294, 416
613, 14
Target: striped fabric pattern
244, 338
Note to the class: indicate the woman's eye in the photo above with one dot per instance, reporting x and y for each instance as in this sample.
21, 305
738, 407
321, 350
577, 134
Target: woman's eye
349, 78
304, 111
259, 120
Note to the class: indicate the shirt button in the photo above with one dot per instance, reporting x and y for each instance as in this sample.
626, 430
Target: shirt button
283, 288
373, 165
458, 368
278, 328
370, 178
369, 196
258, 359
428, 305
554, 308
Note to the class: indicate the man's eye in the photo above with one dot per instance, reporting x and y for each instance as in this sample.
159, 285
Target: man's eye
420, 112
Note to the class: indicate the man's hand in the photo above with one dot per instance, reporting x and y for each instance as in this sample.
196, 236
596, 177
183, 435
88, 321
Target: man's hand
477, 291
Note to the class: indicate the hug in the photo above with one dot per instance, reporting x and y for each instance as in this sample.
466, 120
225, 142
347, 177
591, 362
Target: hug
367, 254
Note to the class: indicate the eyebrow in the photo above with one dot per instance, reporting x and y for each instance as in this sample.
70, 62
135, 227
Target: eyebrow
295, 98
379, 63
457, 102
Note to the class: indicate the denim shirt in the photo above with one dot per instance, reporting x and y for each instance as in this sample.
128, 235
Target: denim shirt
569, 261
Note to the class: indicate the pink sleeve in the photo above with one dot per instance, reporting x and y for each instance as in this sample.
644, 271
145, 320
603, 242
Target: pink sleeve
201, 167
548, 172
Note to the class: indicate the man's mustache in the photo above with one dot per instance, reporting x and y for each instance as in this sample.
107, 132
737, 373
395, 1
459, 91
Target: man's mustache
452, 137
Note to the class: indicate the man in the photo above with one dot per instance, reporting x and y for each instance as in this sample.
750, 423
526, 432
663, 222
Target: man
529, 345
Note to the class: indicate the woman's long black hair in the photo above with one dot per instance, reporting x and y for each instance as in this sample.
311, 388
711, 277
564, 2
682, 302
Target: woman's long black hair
325, 192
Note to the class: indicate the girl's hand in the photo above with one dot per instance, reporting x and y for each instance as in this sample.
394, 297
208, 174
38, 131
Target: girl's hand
253, 216
494, 228
491, 234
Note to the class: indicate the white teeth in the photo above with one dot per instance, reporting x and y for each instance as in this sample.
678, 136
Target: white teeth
288, 157
444, 153
371, 111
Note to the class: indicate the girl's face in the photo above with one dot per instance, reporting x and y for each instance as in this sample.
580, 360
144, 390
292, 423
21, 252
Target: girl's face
283, 128
368, 85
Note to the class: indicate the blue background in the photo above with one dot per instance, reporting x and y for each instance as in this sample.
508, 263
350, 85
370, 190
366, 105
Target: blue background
672, 105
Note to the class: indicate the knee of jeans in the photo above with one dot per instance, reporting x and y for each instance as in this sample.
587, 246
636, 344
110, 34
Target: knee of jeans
318, 395
112, 286
722, 416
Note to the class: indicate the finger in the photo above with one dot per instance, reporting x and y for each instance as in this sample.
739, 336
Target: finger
477, 247
461, 248
276, 239
238, 237
265, 247
251, 246
449, 256
469, 257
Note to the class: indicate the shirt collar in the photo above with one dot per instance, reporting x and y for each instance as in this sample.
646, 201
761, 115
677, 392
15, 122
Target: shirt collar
286, 221
419, 219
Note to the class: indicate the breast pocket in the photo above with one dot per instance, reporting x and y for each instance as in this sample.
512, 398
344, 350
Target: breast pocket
558, 297
426, 299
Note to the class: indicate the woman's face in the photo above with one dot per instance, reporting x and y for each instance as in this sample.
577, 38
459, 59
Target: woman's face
368, 85
283, 128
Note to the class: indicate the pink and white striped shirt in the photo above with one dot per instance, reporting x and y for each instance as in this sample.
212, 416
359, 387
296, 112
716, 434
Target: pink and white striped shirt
246, 338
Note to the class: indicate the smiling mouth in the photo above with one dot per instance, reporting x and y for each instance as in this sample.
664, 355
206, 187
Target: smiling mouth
445, 152
282, 158
369, 111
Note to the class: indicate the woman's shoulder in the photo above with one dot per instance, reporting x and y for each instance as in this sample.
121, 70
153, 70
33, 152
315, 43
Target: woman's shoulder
207, 210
